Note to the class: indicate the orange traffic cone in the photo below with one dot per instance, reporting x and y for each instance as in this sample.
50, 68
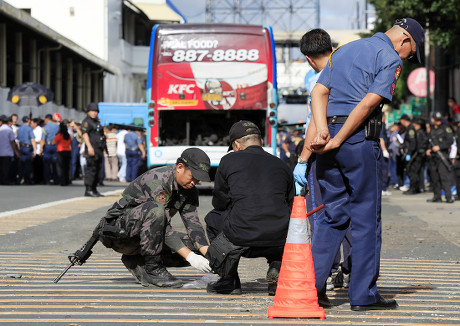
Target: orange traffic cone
296, 295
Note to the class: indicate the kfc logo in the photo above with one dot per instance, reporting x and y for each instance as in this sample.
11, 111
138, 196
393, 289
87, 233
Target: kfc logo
181, 89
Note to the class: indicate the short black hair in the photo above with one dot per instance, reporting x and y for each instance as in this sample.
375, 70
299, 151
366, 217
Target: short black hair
48, 116
316, 43
452, 98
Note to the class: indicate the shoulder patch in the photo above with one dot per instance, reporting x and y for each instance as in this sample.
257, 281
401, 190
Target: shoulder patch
412, 132
448, 129
397, 74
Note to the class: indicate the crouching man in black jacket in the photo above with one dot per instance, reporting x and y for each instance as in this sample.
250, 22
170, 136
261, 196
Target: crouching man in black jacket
252, 199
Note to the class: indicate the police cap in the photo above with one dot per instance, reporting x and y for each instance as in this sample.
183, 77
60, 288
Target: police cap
198, 162
92, 107
437, 115
405, 117
25, 119
416, 31
240, 129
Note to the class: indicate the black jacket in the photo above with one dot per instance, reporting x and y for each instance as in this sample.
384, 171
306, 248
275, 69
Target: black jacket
256, 189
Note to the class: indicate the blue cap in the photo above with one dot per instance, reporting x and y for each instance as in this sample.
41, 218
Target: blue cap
416, 31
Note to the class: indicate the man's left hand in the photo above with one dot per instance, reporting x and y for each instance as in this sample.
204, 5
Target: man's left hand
199, 262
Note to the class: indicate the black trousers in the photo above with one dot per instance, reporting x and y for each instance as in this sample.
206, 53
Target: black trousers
413, 171
440, 177
214, 227
63, 167
93, 170
5, 166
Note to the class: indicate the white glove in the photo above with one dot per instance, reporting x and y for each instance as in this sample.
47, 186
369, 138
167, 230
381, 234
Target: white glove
288, 154
199, 262
386, 154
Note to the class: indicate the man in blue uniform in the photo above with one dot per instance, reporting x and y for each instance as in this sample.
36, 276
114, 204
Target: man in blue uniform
347, 120
134, 151
50, 130
27, 149
316, 45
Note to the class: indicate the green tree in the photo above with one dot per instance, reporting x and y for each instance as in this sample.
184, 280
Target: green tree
442, 19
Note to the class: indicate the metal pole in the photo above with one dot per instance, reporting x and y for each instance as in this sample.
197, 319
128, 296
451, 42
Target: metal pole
427, 67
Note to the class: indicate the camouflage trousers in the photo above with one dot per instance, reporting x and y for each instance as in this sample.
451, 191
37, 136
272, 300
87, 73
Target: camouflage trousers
140, 230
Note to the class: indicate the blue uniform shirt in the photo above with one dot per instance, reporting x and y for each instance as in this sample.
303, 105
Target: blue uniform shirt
49, 132
25, 134
369, 65
132, 140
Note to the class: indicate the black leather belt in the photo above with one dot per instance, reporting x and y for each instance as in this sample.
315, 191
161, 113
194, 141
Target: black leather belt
337, 119
133, 149
25, 145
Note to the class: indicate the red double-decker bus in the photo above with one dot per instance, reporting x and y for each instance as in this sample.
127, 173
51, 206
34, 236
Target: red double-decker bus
202, 78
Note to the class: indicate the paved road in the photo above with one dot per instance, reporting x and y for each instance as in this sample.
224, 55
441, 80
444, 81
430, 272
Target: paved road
420, 268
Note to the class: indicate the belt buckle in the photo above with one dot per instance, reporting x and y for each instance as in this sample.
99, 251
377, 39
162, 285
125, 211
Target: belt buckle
334, 118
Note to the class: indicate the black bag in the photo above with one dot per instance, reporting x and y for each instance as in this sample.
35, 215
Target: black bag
224, 256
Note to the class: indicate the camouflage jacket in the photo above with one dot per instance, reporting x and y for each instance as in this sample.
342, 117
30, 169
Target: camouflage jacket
160, 185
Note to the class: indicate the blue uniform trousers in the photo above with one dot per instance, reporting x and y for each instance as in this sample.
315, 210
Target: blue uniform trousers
350, 181
133, 158
49, 164
25, 165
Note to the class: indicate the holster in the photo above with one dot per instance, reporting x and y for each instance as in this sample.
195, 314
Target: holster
373, 124
223, 255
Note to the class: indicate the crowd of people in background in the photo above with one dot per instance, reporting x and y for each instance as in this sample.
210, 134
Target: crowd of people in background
420, 155
51, 150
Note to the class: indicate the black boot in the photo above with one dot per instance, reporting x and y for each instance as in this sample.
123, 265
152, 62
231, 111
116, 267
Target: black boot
272, 276
97, 193
158, 275
89, 192
136, 265
226, 285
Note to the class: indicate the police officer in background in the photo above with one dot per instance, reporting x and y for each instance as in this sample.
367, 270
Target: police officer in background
346, 109
416, 144
93, 136
440, 140
27, 149
456, 160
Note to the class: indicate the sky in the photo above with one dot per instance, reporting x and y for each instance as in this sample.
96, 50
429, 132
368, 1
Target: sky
334, 14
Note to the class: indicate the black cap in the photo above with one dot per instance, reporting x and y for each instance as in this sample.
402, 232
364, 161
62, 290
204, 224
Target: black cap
240, 129
437, 115
419, 121
198, 162
404, 117
25, 118
92, 107
416, 31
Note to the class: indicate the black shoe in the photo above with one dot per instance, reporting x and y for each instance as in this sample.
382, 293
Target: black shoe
411, 192
272, 276
90, 193
97, 193
226, 285
449, 200
324, 301
158, 275
173, 259
434, 200
457, 197
382, 304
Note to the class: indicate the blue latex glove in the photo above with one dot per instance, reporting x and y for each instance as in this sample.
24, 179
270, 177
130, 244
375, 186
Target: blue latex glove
298, 189
299, 174
407, 158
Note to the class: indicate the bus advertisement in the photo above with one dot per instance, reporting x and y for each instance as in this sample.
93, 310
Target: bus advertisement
202, 78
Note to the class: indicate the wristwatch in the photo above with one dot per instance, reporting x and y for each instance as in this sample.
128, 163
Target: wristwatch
301, 161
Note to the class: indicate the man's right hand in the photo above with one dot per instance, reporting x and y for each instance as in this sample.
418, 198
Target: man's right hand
300, 171
91, 151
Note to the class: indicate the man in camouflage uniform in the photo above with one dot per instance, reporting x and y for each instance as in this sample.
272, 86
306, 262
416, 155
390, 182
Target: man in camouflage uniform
139, 224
